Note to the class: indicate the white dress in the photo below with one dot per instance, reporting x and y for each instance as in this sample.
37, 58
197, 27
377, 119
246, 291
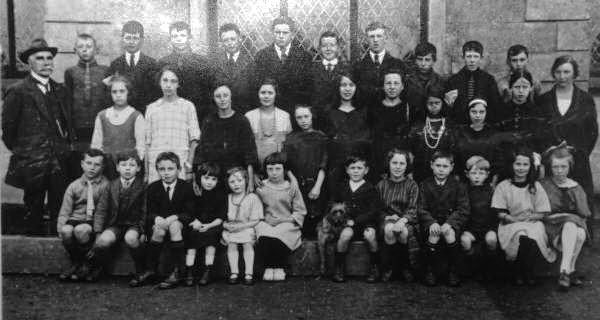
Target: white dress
249, 209
516, 200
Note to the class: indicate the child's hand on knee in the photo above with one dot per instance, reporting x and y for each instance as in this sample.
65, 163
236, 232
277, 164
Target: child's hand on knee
161, 223
196, 225
435, 229
445, 228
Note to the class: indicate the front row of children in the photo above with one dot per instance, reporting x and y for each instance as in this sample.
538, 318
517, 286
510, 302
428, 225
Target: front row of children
395, 217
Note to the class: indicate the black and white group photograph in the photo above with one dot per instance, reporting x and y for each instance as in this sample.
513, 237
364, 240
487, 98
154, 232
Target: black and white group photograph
300, 159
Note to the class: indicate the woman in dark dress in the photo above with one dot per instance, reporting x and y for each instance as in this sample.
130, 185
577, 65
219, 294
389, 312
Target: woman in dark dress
571, 116
477, 139
226, 138
390, 121
306, 150
435, 133
349, 132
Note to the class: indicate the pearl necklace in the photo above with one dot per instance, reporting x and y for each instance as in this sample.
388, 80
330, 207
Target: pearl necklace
434, 135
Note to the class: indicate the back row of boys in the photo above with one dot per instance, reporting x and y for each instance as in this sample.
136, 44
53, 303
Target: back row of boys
300, 80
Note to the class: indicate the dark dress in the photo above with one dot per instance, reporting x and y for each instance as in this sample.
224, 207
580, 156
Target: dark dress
482, 143
349, 135
423, 149
307, 154
210, 205
570, 200
482, 218
522, 124
229, 142
485, 87
390, 127
578, 127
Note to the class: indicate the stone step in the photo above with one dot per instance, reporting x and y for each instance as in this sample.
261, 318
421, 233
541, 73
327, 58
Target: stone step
45, 255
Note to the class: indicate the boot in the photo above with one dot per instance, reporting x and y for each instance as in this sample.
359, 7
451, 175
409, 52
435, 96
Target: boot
431, 251
205, 279
189, 276
453, 257
75, 259
407, 270
152, 255
178, 251
82, 272
386, 262
97, 258
340, 266
374, 270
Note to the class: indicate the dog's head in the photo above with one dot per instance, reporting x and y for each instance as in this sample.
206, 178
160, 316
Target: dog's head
338, 214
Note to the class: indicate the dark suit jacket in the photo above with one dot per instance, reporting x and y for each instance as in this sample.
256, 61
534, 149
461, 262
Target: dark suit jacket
293, 76
325, 91
369, 76
107, 211
181, 204
239, 78
485, 87
31, 130
142, 77
443, 204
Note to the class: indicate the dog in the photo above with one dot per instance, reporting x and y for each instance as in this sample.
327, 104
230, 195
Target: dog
329, 230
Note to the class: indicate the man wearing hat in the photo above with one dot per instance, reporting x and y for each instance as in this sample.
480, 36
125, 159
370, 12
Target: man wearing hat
36, 128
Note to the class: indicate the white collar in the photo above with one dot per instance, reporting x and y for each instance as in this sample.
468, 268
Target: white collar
355, 185
130, 181
172, 185
39, 78
380, 55
333, 62
440, 183
136, 57
235, 56
111, 112
287, 50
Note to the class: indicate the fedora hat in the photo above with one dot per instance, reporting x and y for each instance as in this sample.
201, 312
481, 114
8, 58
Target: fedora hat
37, 45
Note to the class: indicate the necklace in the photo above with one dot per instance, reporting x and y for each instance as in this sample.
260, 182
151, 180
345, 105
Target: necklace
436, 136
238, 206
266, 131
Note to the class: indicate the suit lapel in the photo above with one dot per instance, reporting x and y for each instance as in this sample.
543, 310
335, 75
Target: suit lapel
38, 96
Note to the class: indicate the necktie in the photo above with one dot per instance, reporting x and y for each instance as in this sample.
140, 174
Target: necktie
329, 67
89, 207
169, 192
126, 184
131, 61
87, 82
471, 88
283, 56
376, 58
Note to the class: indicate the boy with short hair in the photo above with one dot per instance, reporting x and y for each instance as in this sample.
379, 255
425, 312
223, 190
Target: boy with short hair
326, 72
196, 74
517, 58
479, 240
471, 82
235, 68
424, 77
362, 204
287, 63
76, 216
170, 205
121, 215
443, 209
89, 94
370, 70
136, 66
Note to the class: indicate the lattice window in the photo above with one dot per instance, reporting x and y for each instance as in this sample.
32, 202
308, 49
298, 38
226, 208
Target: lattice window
401, 17
315, 17
253, 18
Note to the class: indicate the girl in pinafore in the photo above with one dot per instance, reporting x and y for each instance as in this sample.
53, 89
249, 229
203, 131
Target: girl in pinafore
119, 128
244, 211
269, 124
279, 234
522, 203
306, 151
171, 125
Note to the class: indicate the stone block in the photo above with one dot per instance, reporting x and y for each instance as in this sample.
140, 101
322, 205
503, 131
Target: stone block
64, 34
62, 61
557, 10
498, 37
574, 35
486, 10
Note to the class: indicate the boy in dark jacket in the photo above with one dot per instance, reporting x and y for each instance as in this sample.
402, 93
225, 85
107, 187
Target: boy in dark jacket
121, 215
362, 204
471, 82
170, 205
443, 209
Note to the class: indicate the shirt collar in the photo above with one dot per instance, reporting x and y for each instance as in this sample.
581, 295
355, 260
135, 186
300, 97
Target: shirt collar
440, 183
136, 57
235, 56
96, 180
82, 63
380, 55
332, 62
39, 78
287, 50
130, 181
172, 185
